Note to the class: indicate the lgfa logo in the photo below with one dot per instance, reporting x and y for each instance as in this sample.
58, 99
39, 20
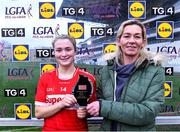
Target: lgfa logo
23, 111
47, 10
164, 30
168, 89
109, 48
137, 9
20, 52
76, 30
47, 67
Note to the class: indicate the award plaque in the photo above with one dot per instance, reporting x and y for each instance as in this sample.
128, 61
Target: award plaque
83, 90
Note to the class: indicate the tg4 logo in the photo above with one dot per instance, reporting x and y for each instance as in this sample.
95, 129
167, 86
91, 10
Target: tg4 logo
163, 10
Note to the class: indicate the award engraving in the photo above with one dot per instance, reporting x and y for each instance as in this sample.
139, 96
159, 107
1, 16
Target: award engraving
83, 90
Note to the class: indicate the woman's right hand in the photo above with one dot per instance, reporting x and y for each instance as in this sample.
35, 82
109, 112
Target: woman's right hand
68, 100
93, 108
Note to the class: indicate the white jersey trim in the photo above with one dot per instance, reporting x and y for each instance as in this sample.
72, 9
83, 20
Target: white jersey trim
40, 103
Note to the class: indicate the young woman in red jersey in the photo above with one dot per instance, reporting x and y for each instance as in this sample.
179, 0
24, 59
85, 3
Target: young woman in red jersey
54, 100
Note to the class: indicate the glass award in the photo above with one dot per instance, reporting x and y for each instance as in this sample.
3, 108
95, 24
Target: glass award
83, 90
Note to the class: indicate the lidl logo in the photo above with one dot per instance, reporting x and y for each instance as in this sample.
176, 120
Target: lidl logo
47, 10
137, 9
164, 30
76, 30
109, 48
20, 52
23, 111
168, 89
47, 67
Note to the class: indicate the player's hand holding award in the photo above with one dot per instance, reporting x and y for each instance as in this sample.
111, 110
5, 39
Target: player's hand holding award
82, 92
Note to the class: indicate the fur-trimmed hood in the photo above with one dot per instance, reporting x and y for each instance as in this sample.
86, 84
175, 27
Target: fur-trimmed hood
150, 57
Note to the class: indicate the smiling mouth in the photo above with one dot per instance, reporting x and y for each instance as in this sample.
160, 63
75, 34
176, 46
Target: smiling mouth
131, 47
64, 59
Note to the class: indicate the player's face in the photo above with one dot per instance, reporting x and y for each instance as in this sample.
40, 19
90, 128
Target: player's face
64, 52
131, 41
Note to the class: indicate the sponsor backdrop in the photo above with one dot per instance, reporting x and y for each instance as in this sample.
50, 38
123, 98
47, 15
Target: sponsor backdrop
28, 27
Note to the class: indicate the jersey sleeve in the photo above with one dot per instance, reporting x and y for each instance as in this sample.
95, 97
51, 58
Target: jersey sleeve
40, 97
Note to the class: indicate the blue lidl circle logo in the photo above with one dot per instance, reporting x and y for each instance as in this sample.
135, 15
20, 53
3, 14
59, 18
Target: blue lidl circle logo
164, 29
168, 89
20, 52
47, 67
23, 111
47, 10
76, 30
137, 9
109, 48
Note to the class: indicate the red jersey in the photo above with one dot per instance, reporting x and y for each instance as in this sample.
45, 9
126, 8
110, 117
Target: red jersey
51, 90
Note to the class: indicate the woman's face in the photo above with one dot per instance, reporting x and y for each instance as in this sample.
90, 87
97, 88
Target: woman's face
64, 52
131, 41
